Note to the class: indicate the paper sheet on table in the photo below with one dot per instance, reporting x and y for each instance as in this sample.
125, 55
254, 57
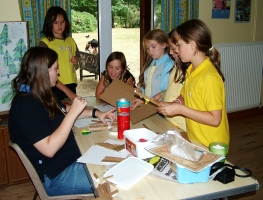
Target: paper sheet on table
104, 107
96, 153
83, 122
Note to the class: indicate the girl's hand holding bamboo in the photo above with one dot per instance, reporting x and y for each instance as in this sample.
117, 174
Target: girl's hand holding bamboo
147, 99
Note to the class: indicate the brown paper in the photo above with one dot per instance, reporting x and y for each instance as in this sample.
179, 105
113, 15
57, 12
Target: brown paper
117, 90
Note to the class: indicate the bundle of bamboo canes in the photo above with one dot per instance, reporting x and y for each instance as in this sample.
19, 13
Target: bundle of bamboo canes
104, 191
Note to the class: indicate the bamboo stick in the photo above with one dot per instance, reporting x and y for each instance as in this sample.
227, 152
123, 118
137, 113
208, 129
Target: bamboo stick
112, 159
98, 128
147, 98
101, 124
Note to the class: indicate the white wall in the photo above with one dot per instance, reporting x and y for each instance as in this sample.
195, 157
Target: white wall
9, 10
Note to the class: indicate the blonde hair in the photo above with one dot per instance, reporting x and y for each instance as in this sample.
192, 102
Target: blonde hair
160, 37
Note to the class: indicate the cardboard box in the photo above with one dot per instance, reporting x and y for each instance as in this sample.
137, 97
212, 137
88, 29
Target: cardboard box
134, 146
184, 175
118, 90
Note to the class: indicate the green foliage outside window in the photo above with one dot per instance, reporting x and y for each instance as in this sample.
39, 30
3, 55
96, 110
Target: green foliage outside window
125, 13
158, 12
82, 22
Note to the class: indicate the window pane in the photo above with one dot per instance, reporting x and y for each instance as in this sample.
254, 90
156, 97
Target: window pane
157, 14
126, 32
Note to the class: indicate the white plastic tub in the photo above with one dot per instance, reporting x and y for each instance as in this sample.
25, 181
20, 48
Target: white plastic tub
134, 146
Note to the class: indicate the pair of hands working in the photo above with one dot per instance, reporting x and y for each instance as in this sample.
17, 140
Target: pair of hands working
49, 145
177, 107
165, 108
77, 110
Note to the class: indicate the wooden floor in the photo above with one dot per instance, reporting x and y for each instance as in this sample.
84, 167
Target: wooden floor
246, 150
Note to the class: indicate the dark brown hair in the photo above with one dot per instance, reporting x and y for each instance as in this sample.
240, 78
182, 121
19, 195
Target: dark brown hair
50, 18
197, 31
181, 67
115, 56
160, 37
34, 73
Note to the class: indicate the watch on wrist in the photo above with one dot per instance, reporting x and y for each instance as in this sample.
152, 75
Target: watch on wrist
94, 112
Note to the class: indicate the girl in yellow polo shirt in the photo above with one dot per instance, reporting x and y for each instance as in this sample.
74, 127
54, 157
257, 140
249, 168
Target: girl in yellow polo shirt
56, 31
202, 100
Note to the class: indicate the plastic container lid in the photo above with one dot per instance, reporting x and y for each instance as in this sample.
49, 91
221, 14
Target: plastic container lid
128, 172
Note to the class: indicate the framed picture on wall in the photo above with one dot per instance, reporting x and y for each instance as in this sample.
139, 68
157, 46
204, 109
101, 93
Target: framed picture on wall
242, 12
221, 8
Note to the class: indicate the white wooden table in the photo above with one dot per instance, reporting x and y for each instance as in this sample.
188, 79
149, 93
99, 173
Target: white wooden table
150, 187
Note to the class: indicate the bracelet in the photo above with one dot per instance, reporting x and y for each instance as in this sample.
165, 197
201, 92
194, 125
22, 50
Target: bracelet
178, 101
93, 113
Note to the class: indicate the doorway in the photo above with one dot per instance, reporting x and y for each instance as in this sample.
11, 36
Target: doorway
125, 33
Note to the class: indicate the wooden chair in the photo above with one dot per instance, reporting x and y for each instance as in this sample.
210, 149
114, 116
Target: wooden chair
40, 190
90, 63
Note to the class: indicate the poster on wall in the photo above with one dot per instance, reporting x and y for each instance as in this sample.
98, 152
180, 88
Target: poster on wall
242, 12
13, 45
221, 8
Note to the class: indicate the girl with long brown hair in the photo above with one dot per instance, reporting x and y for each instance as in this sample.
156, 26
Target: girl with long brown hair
42, 126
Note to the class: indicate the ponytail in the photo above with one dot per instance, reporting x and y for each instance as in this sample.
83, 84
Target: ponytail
214, 56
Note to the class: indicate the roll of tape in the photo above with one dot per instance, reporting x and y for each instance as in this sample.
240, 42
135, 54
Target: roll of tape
113, 131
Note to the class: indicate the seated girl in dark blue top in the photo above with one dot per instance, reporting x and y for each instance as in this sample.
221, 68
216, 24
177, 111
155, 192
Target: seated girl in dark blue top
42, 126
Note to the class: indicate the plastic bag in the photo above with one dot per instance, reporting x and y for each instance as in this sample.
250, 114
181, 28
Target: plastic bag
178, 146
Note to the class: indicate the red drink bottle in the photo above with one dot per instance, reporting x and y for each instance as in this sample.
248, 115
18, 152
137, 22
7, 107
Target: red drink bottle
123, 116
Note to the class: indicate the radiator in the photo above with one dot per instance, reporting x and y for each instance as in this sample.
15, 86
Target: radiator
241, 64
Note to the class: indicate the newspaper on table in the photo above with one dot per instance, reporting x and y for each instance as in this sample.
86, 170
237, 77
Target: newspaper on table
162, 168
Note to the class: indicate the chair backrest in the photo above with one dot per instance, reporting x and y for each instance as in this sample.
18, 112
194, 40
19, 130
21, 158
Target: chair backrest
36, 180
89, 62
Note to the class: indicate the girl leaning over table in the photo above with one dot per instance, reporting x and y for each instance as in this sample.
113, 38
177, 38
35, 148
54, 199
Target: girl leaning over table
202, 100
42, 126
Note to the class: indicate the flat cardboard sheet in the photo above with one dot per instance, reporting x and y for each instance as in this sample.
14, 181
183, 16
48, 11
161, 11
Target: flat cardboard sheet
205, 160
117, 90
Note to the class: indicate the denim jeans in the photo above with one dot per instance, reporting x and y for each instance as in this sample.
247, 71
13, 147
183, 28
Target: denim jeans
73, 180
